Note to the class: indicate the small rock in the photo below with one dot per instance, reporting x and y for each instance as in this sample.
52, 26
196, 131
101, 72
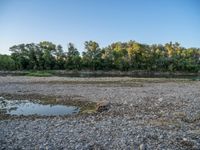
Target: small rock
184, 139
160, 99
185, 142
142, 147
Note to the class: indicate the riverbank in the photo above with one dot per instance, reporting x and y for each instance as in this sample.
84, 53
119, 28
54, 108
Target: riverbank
70, 73
151, 113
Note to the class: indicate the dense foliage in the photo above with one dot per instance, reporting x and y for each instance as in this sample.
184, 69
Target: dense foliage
117, 56
6, 63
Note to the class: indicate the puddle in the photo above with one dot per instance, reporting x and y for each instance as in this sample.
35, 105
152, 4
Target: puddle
27, 107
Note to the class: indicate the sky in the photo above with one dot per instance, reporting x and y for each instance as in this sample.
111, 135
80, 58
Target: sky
103, 21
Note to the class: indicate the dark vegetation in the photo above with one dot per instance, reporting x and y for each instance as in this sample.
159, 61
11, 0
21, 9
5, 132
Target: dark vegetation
125, 56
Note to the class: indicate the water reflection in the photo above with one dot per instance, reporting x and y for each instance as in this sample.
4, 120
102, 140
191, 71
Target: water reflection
26, 107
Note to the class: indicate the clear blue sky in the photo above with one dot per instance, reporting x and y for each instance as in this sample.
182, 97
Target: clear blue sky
105, 21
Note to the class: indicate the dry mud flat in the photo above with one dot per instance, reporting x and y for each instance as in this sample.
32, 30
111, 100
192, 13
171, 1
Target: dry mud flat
143, 114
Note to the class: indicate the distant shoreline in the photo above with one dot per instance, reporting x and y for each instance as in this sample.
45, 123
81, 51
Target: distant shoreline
86, 73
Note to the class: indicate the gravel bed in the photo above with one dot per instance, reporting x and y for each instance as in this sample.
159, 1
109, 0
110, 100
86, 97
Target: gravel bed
156, 115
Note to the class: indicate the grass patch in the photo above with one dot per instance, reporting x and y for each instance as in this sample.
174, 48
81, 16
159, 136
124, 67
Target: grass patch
39, 74
100, 82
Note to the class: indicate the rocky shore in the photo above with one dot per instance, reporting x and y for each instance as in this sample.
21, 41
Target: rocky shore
143, 114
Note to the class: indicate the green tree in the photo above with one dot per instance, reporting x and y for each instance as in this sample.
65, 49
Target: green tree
73, 60
108, 59
48, 49
119, 51
6, 62
92, 56
60, 57
20, 56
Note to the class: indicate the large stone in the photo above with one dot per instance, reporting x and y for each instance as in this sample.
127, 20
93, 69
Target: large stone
102, 105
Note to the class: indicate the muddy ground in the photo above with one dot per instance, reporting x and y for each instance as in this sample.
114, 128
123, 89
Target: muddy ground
150, 113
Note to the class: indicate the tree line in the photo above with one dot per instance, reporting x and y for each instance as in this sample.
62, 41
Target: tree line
124, 56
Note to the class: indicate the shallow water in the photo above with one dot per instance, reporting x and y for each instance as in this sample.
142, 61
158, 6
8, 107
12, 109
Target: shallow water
27, 107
